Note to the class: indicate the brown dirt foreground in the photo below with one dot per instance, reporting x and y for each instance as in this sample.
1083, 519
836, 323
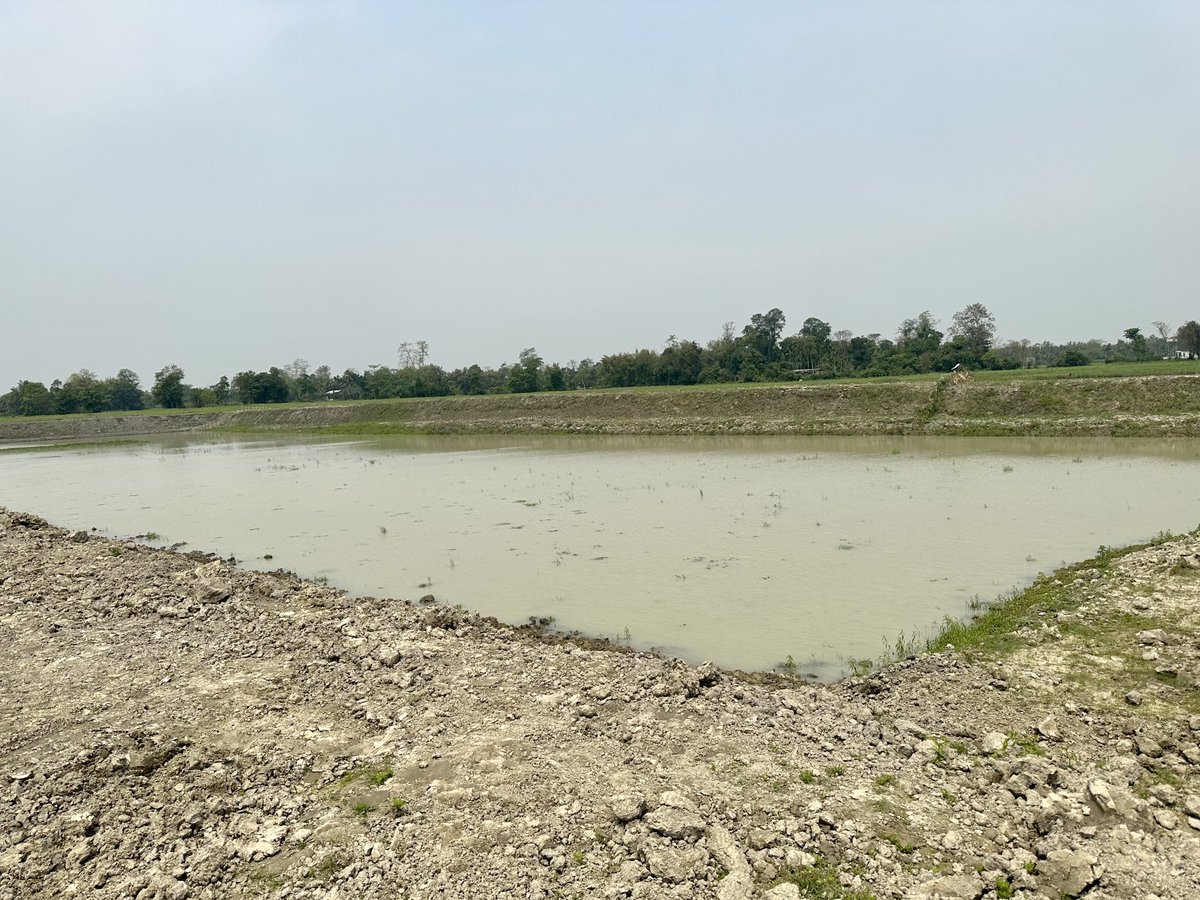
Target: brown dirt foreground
172, 726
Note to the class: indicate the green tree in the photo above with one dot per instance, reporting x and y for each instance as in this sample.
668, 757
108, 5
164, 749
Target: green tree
917, 343
763, 333
1072, 357
222, 392
1188, 338
168, 390
28, 398
976, 327
261, 387
82, 392
525, 375
1138, 341
124, 391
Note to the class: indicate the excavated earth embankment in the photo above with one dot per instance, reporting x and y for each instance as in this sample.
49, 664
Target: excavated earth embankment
1149, 406
172, 726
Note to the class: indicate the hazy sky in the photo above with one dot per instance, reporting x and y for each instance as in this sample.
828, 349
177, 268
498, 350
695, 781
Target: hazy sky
234, 185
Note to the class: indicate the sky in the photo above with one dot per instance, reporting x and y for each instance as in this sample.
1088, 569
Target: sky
234, 185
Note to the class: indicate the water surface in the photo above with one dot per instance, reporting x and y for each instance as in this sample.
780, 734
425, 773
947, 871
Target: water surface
742, 550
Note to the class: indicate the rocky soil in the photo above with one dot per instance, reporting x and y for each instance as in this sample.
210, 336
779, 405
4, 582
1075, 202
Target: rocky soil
173, 726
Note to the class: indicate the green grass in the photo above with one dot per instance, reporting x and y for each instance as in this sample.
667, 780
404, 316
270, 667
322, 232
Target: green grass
820, 882
996, 630
379, 776
372, 775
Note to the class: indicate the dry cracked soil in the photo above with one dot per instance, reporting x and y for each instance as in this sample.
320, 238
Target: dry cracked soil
174, 726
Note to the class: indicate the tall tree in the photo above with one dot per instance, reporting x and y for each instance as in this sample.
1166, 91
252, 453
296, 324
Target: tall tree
763, 332
82, 392
124, 391
1188, 338
168, 390
525, 377
1164, 332
976, 326
1138, 341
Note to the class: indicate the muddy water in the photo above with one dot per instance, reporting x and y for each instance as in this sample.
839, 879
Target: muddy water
744, 551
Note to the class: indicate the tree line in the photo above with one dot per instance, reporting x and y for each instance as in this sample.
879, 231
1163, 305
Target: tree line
761, 351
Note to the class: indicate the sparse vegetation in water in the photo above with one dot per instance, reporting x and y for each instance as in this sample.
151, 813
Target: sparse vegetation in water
152, 536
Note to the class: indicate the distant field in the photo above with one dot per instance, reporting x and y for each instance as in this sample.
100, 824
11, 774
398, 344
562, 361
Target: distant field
1099, 370
1147, 399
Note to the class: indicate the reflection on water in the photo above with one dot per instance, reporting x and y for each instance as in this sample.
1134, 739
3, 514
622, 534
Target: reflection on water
742, 550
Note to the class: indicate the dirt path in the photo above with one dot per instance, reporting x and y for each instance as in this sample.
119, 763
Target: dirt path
172, 726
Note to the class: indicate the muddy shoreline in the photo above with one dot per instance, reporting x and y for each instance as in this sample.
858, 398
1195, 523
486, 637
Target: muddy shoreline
174, 726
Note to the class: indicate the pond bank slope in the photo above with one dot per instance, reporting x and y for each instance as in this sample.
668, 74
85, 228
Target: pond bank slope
1145, 406
174, 726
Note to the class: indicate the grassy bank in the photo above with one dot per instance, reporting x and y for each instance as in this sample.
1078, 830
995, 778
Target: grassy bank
1079, 402
1118, 629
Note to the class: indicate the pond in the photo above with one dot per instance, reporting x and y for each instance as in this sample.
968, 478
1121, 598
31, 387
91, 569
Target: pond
746, 551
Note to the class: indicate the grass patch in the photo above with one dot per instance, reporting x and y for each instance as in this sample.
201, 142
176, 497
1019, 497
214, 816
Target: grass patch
885, 781
379, 776
904, 846
820, 882
372, 775
996, 630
